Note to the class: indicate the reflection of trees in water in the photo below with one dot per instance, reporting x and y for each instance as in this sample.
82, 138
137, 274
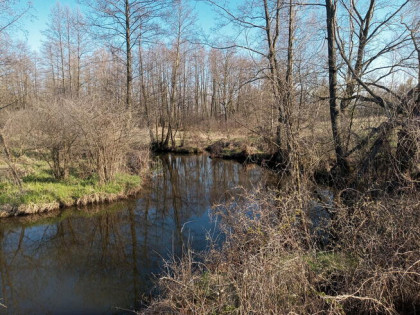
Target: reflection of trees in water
88, 260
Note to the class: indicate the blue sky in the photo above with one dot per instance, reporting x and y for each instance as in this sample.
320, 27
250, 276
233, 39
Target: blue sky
33, 26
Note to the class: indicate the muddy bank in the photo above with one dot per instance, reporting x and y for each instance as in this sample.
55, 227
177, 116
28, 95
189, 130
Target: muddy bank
234, 150
177, 150
325, 174
229, 150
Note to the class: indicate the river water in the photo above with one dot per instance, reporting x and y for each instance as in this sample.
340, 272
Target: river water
102, 259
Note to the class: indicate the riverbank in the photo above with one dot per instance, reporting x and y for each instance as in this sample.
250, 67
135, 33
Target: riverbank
99, 246
41, 192
316, 159
276, 260
236, 144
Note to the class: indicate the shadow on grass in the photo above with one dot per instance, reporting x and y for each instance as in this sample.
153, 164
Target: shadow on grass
43, 177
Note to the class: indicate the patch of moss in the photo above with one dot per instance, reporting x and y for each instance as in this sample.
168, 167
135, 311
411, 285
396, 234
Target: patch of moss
326, 262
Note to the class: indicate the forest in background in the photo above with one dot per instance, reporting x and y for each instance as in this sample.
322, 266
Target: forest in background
326, 91
325, 82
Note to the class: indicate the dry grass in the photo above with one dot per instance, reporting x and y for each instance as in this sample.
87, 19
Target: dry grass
275, 261
201, 138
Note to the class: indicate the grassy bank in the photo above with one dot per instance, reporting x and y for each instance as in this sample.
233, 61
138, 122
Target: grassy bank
41, 192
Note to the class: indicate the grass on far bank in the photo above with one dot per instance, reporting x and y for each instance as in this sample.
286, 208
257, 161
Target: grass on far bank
39, 186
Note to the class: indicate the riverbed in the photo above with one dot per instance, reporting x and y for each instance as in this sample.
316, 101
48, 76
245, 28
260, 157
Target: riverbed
102, 259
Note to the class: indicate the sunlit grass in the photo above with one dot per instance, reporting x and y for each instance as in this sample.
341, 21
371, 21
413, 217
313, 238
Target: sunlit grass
41, 187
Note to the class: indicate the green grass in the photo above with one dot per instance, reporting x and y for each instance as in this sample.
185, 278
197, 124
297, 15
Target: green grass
331, 262
40, 187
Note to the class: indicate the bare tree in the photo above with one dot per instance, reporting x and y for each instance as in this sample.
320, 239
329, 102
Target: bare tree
10, 13
331, 7
122, 23
64, 47
181, 26
265, 24
57, 44
80, 39
372, 66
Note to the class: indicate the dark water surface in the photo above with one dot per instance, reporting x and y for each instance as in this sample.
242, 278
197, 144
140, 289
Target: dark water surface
101, 259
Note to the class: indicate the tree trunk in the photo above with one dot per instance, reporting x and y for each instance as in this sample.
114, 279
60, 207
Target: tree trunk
145, 97
9, 162
332, 71
129, 59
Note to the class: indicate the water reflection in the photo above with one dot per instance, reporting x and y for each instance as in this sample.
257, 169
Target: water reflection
95, 260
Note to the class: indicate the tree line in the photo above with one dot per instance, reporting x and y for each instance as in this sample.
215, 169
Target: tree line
278, 68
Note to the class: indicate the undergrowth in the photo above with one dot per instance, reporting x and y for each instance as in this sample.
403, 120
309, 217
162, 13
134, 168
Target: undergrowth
364, 260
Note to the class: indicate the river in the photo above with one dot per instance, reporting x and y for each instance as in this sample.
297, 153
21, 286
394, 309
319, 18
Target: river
102, 259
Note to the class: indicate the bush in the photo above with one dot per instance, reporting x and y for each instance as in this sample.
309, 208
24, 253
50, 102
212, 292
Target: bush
87, 136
